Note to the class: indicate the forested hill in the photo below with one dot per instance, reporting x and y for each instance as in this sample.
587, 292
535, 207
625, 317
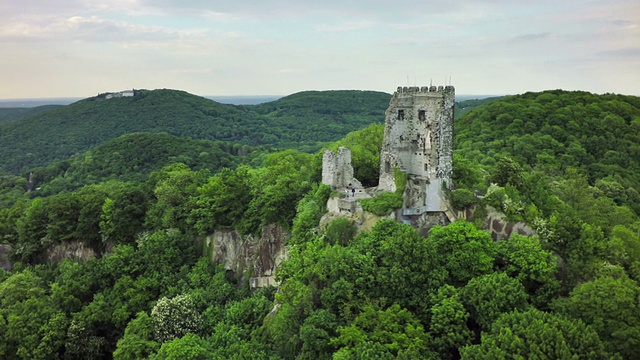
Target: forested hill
12, 114
132, 157
565, 163
554, 131
62, 132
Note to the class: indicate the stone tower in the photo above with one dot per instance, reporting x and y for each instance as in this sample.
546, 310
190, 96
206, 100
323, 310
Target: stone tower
418, 139
418, 134
337, 170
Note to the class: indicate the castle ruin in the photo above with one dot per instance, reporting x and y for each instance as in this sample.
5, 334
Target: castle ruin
418, 140
418, 135
337, 170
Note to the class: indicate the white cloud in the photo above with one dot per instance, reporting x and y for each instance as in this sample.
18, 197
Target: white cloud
211, 47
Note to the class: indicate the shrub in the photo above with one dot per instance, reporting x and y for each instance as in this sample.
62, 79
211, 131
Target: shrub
340, 231
383, 204
462, 198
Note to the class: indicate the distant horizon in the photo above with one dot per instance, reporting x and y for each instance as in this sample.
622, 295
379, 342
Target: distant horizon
223, 99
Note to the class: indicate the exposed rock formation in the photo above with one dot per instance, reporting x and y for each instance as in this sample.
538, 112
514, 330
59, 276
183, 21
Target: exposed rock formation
495, 222
5, 251
254, 257
74, 250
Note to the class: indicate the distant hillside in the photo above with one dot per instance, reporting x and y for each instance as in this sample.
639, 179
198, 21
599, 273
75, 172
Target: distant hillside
17, 113
322, 116
62, 132
463, 107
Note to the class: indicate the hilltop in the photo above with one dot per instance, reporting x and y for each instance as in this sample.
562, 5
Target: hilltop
62, 132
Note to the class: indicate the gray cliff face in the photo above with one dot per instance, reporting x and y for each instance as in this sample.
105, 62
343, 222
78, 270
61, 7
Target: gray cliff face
74, 250
5, 251
254, 257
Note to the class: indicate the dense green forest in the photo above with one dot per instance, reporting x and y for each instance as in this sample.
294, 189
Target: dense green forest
563, 162
12, 114
296, 121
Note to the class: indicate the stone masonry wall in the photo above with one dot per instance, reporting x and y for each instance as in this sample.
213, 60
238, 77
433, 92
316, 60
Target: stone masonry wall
418, 134
337, 170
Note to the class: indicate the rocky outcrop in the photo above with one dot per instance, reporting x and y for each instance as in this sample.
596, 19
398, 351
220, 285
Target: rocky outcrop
495, 222
5, 251
255, 257
75, 250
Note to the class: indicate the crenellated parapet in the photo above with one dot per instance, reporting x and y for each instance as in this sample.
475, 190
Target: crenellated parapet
424, 89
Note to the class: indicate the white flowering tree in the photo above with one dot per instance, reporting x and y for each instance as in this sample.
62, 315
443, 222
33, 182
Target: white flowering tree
175, 317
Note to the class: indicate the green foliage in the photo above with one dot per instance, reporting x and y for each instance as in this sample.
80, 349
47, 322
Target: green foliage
610, 306
553, 131
385, 203
31, 326
316, 333
400, 180
393, 333
223, 200
463, 198
463, 252
537, 334
507, 171
138, 341
175, 186
17, 113
523, 258
133, 157
382, 204
300, 121
123, 213
466, 174
188, 347
489, 296
248, 313
340, 231
365, 146
448, 325
308, 213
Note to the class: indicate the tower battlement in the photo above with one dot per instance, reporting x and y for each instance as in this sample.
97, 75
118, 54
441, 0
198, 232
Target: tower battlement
423, 89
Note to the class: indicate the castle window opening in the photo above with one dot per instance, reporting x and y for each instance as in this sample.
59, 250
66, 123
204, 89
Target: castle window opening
422, 116
400, 114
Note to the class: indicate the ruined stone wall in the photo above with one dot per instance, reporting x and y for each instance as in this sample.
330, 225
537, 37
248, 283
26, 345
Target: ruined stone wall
418, 134
337, 170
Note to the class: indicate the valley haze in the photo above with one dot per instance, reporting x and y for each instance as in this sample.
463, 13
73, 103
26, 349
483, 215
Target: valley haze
231, 99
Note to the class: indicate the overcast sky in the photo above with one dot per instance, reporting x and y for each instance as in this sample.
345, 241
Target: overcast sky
78, 48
